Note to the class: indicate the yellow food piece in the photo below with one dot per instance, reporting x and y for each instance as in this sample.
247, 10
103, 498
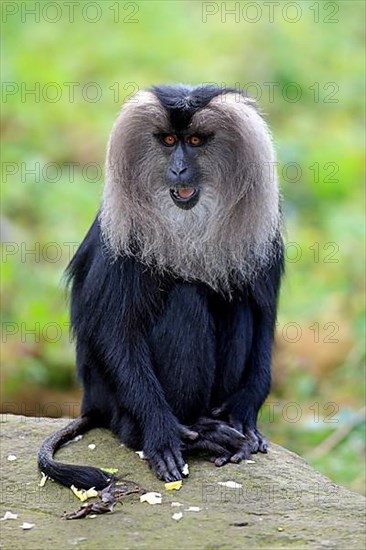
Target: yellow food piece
110, 470
173, 485
82, 494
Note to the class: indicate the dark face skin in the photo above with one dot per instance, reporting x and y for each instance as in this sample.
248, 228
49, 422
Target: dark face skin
182, 173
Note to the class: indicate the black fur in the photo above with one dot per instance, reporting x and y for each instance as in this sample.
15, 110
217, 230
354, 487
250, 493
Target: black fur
182, 101
155, 352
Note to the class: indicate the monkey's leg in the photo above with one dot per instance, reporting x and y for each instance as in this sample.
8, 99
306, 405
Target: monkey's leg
241, 409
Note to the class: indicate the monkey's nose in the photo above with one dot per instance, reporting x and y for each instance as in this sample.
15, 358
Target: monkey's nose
177, 175
177, 171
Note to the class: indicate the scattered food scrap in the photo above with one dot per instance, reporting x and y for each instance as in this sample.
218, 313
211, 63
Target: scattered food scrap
110, 470
177, 516
173, 485
185, 470
43, 480
9, 515
176, 504
25, 525
230, 484
11, 458
141, 454
151, 498
91, 446
82, 494
192, 509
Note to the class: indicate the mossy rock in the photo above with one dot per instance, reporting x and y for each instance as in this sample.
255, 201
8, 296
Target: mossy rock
282, 501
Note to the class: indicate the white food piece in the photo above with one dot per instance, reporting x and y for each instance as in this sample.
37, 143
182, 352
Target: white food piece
9, 515
250, 461
151, 498
185, 470
193, 509
27, 525
43, 480
11, 458
177, 516
230, 484
176, 504
91, 446
140, 454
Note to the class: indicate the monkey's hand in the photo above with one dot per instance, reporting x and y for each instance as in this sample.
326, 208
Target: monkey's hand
244, 423
223, 442
163, 450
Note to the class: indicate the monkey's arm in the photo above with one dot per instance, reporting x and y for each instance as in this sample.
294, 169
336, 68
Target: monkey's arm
112, 305
140, 393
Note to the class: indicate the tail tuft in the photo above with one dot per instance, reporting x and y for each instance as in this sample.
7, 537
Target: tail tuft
82, 477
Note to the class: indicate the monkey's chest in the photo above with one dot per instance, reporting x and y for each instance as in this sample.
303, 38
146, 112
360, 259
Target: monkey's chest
198, 352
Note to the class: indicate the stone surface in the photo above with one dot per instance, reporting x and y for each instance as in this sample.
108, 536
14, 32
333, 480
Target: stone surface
283, 502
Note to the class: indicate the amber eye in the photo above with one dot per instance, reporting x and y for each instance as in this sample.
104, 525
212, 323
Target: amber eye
196, 141
169, 140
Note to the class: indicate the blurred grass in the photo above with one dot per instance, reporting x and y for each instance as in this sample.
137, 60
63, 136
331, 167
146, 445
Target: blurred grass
323, 205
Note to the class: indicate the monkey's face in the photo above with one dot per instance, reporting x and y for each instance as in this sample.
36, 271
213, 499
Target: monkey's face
174, 162
194, 165
183, 174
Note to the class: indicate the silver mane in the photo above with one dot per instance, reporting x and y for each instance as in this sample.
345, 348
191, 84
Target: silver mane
228, 235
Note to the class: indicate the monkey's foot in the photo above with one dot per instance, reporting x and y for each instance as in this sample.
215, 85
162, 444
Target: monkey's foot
225, 443
256, 441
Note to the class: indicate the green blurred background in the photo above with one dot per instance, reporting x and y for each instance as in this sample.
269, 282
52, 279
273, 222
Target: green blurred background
304, 62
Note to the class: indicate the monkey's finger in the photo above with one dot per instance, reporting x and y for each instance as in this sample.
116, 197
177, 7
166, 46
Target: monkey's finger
160, 468
263, 446
242, 454
253, 439
206, 426
221, 460
236, 425
232, 431
222, 433
172, 466
263, 443
207, 445
187, 433
179, 460
227, 441
204, 422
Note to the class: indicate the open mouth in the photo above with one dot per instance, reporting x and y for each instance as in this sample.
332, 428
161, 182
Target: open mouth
185, 197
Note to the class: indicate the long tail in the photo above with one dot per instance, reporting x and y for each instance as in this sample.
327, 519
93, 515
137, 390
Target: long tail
83, 477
